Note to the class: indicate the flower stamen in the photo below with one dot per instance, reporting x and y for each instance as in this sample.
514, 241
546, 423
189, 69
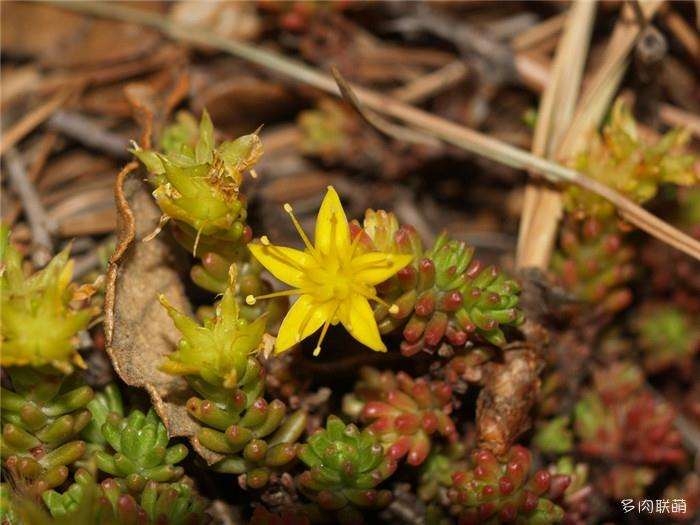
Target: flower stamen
393, 308
324, 330
252, 299
288, 208
317, 350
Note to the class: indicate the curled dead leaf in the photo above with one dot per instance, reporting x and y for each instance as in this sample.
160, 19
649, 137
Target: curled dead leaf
138, 331
510, 390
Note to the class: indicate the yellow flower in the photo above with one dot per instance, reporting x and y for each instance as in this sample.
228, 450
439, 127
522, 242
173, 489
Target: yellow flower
334, 278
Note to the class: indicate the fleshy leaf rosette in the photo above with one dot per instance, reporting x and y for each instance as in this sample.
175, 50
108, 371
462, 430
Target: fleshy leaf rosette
406, 414
497, 491
217, 359
668, 336
618, 419
42, 417
109, 502
595, 263
140, 451
436, 471
620, 158
198, 185
38, 321
445, 295
345, 468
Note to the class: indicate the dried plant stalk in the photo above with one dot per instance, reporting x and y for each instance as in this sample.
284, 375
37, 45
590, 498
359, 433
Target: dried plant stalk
541, 206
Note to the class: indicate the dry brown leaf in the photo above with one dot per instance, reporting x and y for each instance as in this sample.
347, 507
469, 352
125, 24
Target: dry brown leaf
138, 331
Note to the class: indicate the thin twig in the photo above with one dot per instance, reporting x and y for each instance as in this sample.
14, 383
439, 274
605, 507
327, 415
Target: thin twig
676, 117
38, 219
433, 83
89, 133
686, 35
43, 152
445, 130
388, 128
30, 121
538, 33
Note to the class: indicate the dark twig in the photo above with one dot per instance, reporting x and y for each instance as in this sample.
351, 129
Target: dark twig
39, 222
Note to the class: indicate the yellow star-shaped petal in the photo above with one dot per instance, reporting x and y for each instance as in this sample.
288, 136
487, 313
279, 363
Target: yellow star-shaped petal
332, 277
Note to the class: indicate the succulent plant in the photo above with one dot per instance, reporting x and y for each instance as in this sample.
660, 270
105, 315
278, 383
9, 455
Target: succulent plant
110, 503
345, 468
445, 295
8, 515
626, 481
621, 159
218, 259
404, 413
217, 359
198, 186
38, 322
595, 263
497, 491
575, 499
554, 436
326, 130
140, 450
668, 336
618, 419
436, 471
106, 401
334, 133
42, 417
466, 367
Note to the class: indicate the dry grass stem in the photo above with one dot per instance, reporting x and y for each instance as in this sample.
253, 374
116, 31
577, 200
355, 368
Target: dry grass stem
30, 121
538, 33
41, 225
541, 205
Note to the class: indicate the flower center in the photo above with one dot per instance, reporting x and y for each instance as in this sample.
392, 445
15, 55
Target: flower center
328, 277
